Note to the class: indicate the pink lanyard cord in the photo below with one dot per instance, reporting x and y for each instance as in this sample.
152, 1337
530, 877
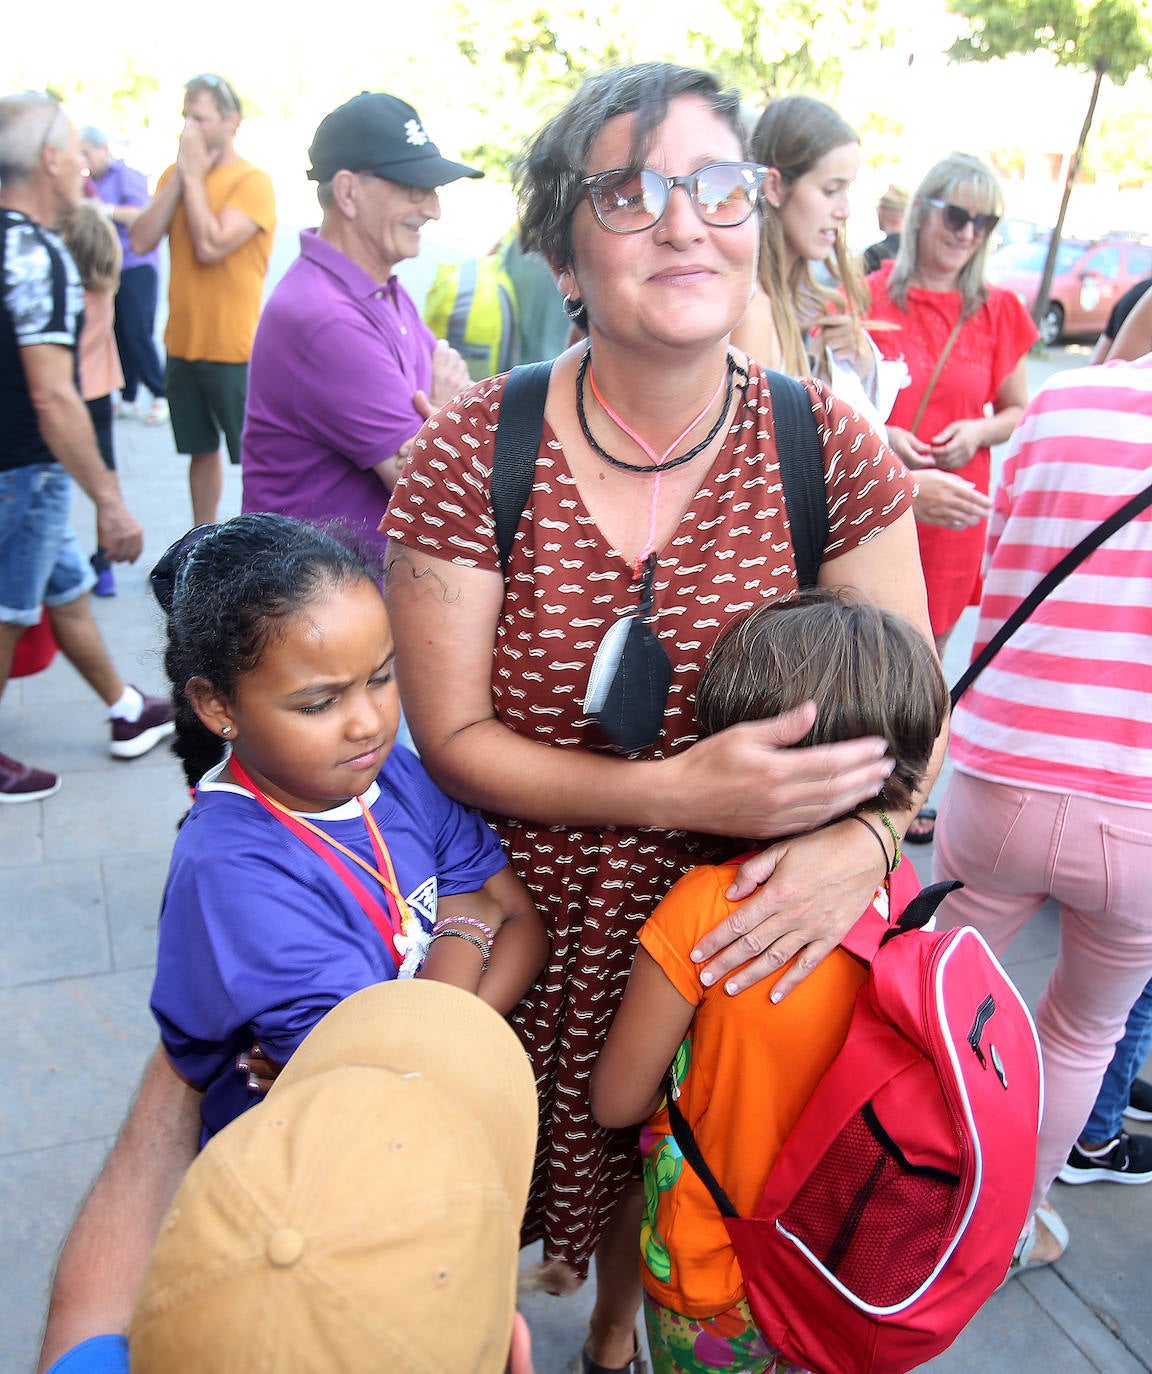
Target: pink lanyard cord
658, 458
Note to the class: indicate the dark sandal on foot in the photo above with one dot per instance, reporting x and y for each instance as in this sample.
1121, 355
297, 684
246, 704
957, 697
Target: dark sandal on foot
636, 1365
923, 828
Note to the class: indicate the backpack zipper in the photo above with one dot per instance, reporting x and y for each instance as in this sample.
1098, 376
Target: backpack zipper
983, 1013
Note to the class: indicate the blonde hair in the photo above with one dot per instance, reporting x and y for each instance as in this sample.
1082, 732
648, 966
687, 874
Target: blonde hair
792, 135
942, 181
90, 238
869, 671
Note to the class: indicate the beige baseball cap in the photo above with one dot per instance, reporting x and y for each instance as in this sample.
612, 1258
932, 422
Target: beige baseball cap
894, 198
366, 1216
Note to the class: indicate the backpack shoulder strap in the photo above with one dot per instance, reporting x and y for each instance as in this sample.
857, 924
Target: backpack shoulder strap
682, 1134
518, 430
801, 457
1048, 583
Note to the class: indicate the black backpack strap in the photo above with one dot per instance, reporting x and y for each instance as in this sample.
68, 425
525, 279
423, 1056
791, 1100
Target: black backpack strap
801, 457
518, 430
1048, 583
682, 1134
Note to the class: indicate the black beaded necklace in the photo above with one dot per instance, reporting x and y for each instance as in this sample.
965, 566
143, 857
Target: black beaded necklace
585, 364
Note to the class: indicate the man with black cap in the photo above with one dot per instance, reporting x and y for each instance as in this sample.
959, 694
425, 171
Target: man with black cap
344, 371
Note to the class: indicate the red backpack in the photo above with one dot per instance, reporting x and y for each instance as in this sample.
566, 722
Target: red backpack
894, 1206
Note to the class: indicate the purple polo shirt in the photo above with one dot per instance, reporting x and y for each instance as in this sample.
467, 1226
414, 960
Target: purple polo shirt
335, 363
123, 185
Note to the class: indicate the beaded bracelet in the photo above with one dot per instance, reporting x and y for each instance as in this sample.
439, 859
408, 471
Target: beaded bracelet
854, 816
446, 921
889, 825
485, 952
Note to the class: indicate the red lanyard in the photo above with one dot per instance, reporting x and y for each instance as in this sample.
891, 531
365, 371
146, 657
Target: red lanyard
391, 922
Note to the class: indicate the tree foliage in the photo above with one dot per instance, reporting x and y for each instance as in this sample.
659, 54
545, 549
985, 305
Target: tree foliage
533, 58
1109, 38
793, 45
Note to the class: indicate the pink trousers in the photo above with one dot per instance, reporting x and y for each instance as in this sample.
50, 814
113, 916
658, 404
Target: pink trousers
1014, 847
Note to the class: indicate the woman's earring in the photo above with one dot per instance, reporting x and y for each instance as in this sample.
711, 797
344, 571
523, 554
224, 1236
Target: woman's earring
226, 731
573, 307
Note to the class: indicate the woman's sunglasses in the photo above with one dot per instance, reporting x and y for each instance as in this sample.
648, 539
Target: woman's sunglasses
723, 194
956, 219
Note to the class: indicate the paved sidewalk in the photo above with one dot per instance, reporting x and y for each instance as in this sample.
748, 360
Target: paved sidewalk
80, 883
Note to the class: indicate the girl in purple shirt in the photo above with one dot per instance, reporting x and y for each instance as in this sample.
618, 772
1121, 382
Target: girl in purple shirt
316, 859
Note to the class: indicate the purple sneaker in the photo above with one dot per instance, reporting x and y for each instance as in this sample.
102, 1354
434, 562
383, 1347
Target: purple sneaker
131, 738
105, 583
19, 783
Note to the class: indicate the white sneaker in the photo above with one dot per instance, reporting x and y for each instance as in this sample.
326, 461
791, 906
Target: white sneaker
158, 415
127, 410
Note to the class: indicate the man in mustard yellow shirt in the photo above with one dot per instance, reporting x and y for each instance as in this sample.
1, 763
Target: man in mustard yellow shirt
219, 214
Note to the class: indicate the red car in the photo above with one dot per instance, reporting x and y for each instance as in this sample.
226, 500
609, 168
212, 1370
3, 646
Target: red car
1090, 278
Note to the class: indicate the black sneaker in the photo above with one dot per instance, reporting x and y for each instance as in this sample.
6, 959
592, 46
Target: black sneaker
1139, 1106
1127, 1159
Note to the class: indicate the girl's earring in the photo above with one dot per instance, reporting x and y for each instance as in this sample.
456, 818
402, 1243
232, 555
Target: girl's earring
573, 306
226, 731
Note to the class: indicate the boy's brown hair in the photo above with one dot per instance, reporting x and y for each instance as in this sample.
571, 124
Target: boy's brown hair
90, 238
869, 671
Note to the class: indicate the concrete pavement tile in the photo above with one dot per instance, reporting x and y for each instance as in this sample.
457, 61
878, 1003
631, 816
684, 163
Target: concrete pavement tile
128, 808
1032, 1325
1109, 1277
133, 888
57, 1178
53, 923
22, 834
73, 1051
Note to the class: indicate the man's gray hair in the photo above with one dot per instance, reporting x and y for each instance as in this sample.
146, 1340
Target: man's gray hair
94, 137
29, 123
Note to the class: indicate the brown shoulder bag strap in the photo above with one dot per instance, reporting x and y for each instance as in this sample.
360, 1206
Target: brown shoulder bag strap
936, 371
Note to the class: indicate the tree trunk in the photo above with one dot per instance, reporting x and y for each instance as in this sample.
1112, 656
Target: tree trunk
1073, 171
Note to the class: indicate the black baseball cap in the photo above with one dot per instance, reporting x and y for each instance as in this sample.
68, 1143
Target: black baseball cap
377, 133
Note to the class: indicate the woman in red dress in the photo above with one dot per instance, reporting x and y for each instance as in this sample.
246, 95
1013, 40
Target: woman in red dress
935, 292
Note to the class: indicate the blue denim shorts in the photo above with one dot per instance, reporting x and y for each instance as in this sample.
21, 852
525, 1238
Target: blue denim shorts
41, 562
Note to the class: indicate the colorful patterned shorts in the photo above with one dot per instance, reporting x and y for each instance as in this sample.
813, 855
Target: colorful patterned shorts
729, 1342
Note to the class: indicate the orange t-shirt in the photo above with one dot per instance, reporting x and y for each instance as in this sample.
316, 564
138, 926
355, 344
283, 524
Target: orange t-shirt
746, 1070
213, 308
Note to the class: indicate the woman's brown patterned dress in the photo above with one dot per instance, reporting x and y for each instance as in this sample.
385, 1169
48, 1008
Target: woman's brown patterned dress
565, 585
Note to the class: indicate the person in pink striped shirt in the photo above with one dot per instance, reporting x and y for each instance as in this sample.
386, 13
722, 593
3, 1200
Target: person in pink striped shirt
1051, 794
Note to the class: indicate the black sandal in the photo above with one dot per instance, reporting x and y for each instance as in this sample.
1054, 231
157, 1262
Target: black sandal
636, 1365
926, 820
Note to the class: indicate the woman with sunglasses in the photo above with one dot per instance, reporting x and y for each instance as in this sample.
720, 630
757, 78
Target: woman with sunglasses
654, 517
935, 292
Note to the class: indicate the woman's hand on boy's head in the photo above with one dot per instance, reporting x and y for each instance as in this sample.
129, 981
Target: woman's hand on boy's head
751, 780
803, 896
